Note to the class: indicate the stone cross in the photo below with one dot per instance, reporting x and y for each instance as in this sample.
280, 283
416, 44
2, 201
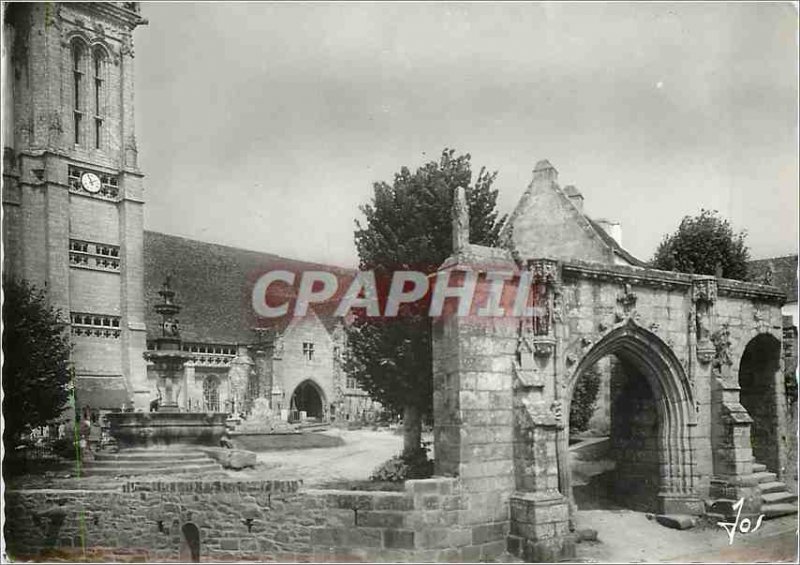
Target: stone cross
460, 217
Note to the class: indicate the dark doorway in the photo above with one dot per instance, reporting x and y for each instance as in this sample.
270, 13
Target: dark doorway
757, 375
618, 468
307, 398
635, 438
190, 544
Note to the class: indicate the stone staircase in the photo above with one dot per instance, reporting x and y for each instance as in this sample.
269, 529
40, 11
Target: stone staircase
775, 496
172, 460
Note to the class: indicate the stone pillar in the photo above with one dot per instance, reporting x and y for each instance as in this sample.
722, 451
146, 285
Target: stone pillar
539, 510
132, 303
171, 383
732, 457
188, 382
239, 378
263, 373
473, 412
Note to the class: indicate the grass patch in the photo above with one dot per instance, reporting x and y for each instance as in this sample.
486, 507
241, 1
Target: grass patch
367, 485
279, 441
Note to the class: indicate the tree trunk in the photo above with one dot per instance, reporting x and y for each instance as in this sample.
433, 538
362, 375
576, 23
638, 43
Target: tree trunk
412, 429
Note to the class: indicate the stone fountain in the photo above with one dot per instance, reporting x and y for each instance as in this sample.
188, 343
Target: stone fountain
168, 424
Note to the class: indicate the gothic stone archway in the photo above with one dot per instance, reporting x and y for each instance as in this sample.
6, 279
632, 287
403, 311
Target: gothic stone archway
759, 370
308, 397
652, 420
502, 386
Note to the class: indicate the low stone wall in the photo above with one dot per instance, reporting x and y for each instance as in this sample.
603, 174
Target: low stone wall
261, 520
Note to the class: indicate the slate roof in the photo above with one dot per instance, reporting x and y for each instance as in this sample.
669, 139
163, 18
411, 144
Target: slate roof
784, 273
213, 284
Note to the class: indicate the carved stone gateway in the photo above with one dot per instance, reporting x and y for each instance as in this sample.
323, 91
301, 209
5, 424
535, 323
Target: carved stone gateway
503, 389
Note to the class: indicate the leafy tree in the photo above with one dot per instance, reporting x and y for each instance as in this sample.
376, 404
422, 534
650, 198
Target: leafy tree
704, 245
408, 227
36, 363
584, 398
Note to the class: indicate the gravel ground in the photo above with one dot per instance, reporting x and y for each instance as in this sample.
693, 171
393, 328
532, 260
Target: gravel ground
625, 536
362, 452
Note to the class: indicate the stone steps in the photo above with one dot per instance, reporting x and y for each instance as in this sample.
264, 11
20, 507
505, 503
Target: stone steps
153, 451
774, 486
131, 471
775, 496
777, 510
778, 497
111, 464
151, 461
765, 477
146, 458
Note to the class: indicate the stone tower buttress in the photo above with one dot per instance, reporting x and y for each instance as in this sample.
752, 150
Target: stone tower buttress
73, 194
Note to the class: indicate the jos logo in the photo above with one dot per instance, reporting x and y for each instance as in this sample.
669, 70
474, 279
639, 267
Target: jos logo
742, 526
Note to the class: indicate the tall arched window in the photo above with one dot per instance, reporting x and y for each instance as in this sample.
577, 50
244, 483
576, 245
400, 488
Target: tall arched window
98, 64
78, 58
211, 394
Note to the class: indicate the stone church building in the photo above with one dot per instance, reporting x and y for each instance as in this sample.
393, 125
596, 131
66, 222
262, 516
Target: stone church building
73, 203
296, 362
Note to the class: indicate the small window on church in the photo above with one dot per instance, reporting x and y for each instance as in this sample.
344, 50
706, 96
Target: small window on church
98, 131
211, 394
308, 351
98, 60
77, 87
77, 128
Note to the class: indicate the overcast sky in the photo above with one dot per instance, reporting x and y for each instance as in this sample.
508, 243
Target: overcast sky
264, 125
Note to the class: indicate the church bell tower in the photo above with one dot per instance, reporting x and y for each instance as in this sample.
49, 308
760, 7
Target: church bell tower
73, 193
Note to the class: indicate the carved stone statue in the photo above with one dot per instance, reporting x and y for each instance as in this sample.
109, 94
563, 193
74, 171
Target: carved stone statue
171, 328
541, 310
460, 219
769, 275
627, 303
721, 365
277, 352
703, 328
166, 290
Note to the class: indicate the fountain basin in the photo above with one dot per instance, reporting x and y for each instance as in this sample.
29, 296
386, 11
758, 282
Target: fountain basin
148, 429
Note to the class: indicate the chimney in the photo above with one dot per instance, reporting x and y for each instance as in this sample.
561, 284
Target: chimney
574, 196
612, 228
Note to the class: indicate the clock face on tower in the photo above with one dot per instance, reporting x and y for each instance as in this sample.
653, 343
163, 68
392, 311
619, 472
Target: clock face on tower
90, 182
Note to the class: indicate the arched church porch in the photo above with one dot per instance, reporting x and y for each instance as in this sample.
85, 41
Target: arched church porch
760, 380
307, 402
680, 432
651, 422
